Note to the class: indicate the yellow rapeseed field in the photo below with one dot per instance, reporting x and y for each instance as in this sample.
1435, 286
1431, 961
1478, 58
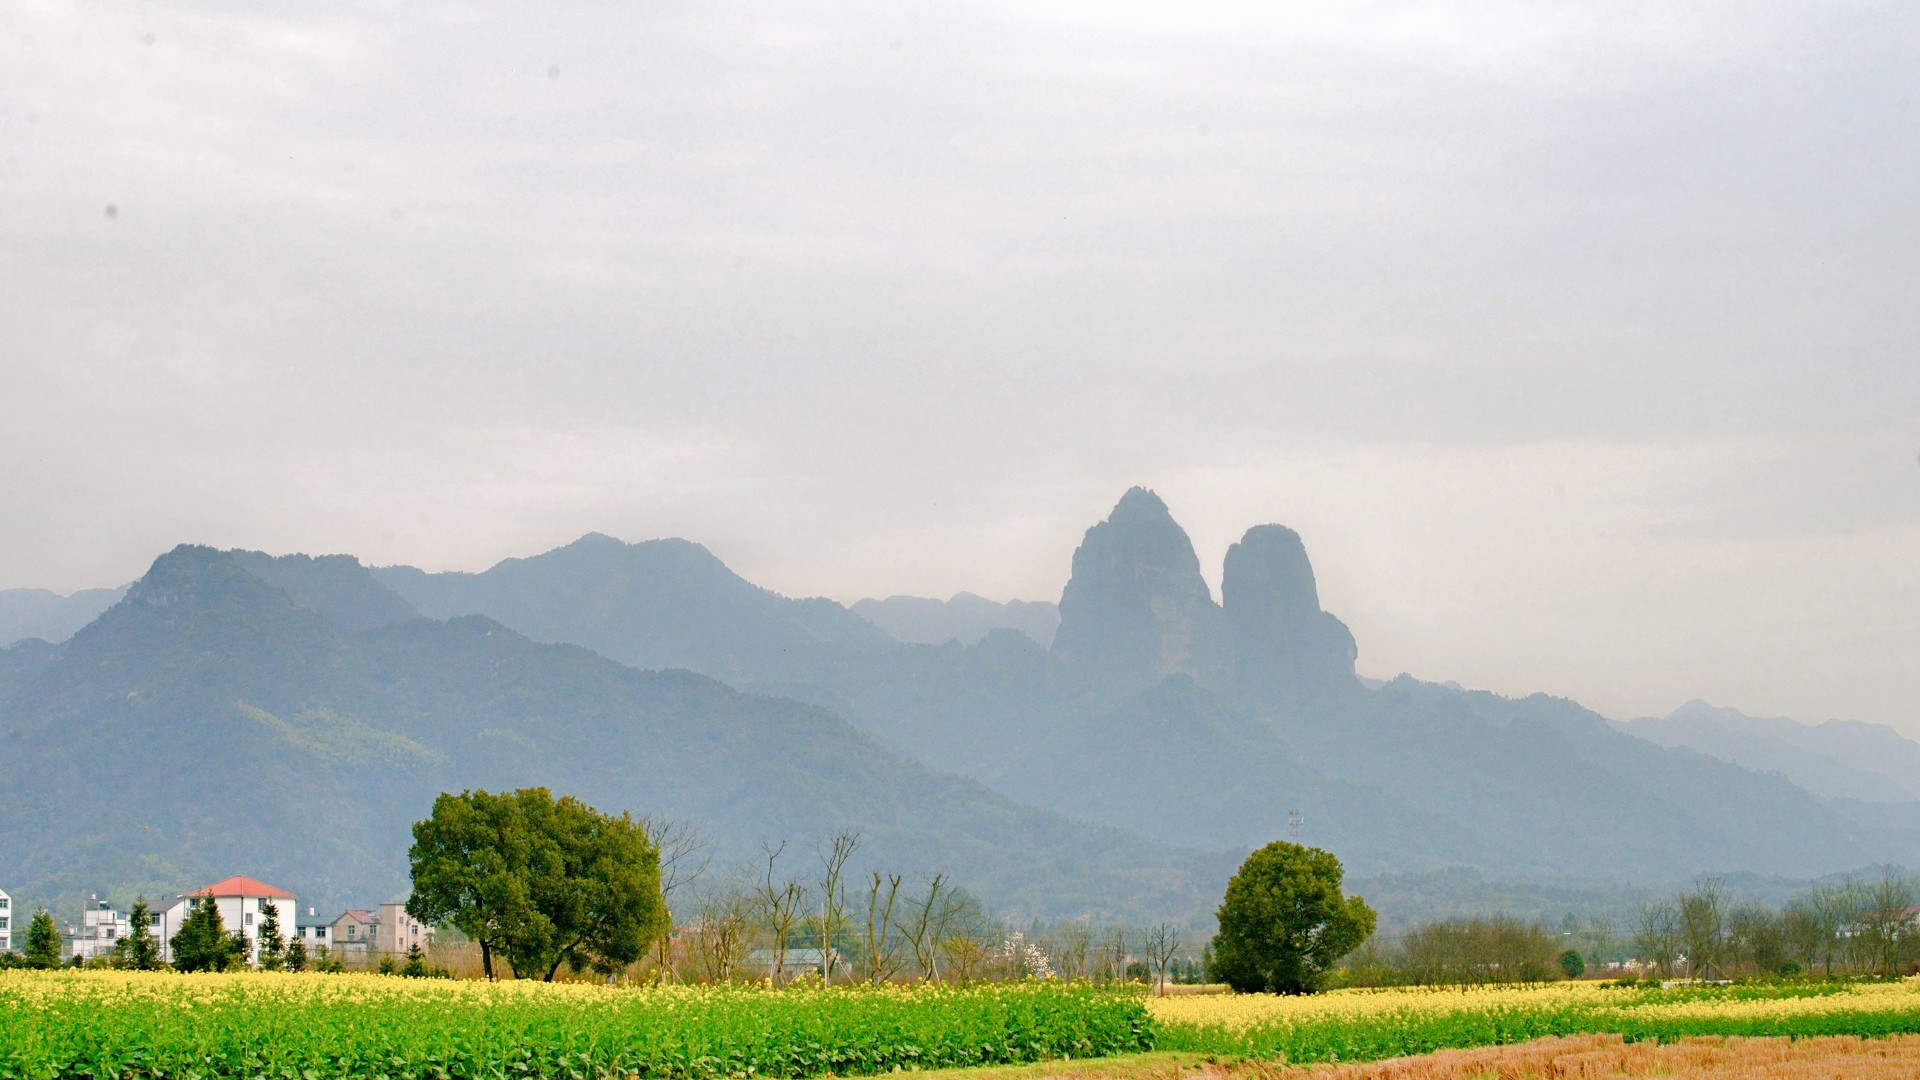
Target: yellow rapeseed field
1361, 1025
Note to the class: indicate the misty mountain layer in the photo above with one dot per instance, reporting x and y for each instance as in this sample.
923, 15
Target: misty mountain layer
1202, 723
1842, 759
289, 718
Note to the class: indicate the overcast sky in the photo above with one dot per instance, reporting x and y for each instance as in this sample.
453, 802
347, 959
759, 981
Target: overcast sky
1579, 341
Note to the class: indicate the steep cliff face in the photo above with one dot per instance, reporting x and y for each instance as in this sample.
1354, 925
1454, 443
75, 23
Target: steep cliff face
1136, 608
1283, 644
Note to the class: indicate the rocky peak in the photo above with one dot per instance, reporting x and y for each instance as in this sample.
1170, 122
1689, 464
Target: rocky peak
1136, 609
1282, 642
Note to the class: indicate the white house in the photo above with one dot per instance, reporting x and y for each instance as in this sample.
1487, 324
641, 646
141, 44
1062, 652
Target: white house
313, 930
101, 928
241, 902
6, 922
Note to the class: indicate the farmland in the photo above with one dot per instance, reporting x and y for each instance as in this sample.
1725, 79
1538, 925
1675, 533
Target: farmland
1364, 1025
319, 1027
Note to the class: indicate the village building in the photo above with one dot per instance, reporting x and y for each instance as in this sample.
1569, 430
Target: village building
6, 922
242, 903
99, 930
352, 935
314, 931
395, 931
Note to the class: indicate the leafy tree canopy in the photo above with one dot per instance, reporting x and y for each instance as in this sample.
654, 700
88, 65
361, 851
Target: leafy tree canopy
541, 881
1284, 921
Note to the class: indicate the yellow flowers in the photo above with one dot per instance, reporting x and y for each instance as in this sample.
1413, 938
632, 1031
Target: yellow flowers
1357, 1025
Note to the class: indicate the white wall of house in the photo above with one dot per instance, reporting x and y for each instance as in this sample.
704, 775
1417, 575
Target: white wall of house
101, 928
244, 913
6, 922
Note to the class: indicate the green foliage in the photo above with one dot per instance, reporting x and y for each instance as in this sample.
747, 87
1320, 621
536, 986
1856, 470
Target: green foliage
142, 950
1572, 965
1284, 921
353, 1026
202, 942
43, 941
543, 882
273, 944
1477, 951
416, 965
296, 954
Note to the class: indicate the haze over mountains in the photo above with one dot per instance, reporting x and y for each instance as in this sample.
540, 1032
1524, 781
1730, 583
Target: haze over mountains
1843, 759
295, 714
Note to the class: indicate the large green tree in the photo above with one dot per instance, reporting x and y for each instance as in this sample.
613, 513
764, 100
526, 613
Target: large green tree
1284, 921
543, 882
43, 941
143, 952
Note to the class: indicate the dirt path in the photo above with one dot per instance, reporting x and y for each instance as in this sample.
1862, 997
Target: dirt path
1587, 1057
1840, 1057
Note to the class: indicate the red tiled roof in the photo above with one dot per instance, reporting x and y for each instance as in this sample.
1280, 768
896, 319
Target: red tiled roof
358, 915
239, 885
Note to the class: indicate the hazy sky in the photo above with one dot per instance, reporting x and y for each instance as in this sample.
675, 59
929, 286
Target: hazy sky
1579, 341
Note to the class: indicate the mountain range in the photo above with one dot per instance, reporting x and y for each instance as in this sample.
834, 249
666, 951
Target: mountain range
291, 715
1842, 759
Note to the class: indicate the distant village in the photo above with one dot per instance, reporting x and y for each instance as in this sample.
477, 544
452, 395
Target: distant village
355, 937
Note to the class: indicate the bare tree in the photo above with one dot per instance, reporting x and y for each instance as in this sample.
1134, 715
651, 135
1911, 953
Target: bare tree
1703, 914
1114, 954
722, 930
1074, 942
1657, 936
830, 921
779, 906
684, 855
880, 944
1886, 921
923, 929
684, 851
1162, 942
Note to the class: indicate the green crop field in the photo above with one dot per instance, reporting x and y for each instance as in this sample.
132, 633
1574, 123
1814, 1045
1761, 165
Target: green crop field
278, 1026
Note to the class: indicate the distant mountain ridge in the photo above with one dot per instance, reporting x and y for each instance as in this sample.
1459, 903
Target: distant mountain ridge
1199, 723
1842, 759
49, 616
1156, 713
654, 604
964, 617
228, 722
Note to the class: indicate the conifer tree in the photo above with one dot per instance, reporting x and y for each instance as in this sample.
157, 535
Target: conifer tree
43, 942
142, 951
201, 943
296, 954
239, 951
273, 945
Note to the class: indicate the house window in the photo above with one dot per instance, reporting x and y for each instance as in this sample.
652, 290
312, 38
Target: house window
4, 902
3, 922
109, 933
248, 918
